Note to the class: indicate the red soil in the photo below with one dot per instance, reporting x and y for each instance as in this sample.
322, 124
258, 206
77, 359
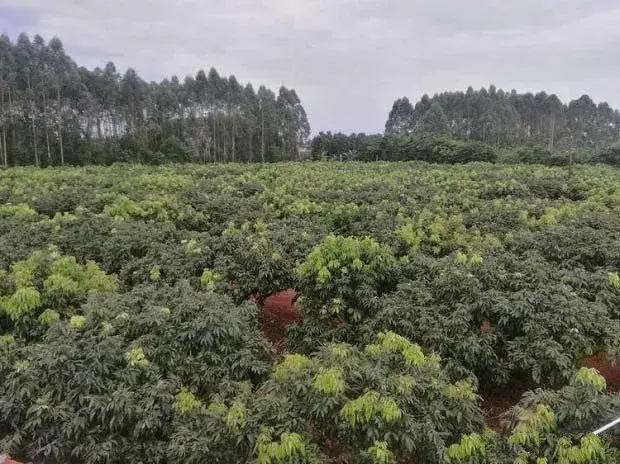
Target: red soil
496, 403
276, 313
610, 371
6, 459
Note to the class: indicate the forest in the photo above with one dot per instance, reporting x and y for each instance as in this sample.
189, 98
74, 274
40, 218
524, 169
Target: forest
54, 112
485, 125
509, 119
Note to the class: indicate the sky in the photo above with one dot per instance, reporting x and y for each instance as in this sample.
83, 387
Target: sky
347, 59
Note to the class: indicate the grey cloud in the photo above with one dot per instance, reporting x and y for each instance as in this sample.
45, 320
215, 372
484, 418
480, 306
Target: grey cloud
349, 59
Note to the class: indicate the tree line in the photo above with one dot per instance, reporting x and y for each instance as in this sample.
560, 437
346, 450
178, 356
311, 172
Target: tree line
53, 112
509, 119
433, 148
485, 125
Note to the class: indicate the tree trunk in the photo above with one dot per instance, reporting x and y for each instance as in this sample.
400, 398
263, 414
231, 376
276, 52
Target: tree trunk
2, 154
214, 140
262, 136
47, 131
207, 141
6, 153
34, 139
34, 132
12, 126
552, 139
59, 116
47, 141
4, 124
224, 143
234, 146
250, 154
62, 147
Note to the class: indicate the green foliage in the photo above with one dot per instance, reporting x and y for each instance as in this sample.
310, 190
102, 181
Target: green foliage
532, 424
135, 357
340, 277
289, 448
497, 318
390, 343
368, 408
16, 210
590, 449
337, 255
557, 432
185, 402
329, 382
419, 286
21, 303
543, 124
48, 317
437, 148
380, 454
585, 376
155, 273
127, 373
471, 448
208, 279
385, 390
357, 400
610, 155
51, 281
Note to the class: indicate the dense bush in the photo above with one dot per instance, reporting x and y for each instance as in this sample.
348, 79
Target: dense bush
610, 155
548, 426
438, 149
125, 334
389, 398
490, 316
340, 282
100, 389
46, 288
408, 147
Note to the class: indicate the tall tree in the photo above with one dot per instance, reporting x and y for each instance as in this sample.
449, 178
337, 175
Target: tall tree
434, 121
267, 110
27, 64
7, 78
401, 117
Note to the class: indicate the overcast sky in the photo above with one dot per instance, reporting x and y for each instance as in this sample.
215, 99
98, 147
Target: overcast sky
347, 59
